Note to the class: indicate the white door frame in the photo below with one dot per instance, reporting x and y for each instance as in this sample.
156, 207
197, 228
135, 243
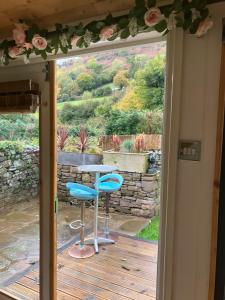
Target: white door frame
170, 148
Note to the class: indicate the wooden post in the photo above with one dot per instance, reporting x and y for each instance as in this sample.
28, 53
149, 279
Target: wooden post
48, 185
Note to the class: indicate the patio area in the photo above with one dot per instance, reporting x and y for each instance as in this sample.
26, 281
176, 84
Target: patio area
126, 270
19, 242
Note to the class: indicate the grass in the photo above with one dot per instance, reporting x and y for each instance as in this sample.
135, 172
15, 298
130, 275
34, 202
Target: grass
79, 102
151, 232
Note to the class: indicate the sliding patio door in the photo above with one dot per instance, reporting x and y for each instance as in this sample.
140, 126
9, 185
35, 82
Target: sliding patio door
44, 75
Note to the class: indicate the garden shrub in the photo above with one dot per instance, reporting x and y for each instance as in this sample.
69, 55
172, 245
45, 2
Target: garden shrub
102, 91
71, 113
151, 123
11, 146
18, 127
127, 146
121, 122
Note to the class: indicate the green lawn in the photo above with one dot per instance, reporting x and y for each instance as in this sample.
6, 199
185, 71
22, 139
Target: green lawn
79, 102
151, 232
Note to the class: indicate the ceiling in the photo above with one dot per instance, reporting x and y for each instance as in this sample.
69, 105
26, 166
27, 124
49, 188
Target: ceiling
46, 13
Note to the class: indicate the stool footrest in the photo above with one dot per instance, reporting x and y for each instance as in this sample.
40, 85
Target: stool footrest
74, 226
103, 216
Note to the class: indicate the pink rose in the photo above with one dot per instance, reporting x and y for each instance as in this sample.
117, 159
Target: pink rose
107, 32
204, 27
19, 35
74, 40
39, 42
15, 51
153, 16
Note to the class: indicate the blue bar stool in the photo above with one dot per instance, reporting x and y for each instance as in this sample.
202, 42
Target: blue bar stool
82, 193
108, 183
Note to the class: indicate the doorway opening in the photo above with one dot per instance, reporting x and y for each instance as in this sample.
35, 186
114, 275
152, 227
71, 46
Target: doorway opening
110, 109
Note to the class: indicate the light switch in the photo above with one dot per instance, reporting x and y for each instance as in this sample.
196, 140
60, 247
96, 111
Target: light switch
190, 150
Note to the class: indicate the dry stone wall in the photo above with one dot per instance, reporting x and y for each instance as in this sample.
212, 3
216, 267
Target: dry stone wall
19, 176
138, 196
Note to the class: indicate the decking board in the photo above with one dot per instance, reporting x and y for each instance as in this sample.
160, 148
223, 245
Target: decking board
126, 270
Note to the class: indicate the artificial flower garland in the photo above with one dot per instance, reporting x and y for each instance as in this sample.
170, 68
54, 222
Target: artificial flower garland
191, 15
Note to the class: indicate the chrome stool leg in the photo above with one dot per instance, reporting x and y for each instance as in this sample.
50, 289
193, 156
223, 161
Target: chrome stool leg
113, 237
106, 227
81, 250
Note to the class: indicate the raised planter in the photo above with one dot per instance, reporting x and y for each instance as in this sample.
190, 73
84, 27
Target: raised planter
130, 162
77, 159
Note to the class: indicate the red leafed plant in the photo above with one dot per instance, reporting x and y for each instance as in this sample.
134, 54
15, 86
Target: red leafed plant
139, 143
116, 141
83, 139
62, 138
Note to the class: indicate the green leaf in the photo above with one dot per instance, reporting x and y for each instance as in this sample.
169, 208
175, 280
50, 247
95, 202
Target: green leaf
151, 3
95, 38
100, 25
140, 11
140, 21
113, 37
95, 27
123, 23
161, 26
109, 20
204, 13
140, 2
56, 48
194, 26
125, 33
165, 33
166, 11
179, 21
63, 49
58, 27
80, 42
48, 49
187, 23
177, 5
43, 55
80, 31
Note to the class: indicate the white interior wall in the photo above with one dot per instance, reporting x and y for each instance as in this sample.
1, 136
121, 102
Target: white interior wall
37, 74
198, 121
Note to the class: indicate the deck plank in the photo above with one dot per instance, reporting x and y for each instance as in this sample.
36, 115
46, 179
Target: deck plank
126, 270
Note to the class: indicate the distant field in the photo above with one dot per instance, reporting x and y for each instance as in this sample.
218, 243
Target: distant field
79, 102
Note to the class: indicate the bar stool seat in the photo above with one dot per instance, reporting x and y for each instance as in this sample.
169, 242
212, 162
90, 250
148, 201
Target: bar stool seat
109, 186
82, 193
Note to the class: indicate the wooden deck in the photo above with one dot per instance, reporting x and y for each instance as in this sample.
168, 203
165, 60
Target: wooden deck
126, 270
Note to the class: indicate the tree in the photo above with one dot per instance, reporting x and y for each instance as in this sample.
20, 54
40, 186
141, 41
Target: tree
130, 101
136, 62
94, 66
120, 79
150, 83
85, 81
